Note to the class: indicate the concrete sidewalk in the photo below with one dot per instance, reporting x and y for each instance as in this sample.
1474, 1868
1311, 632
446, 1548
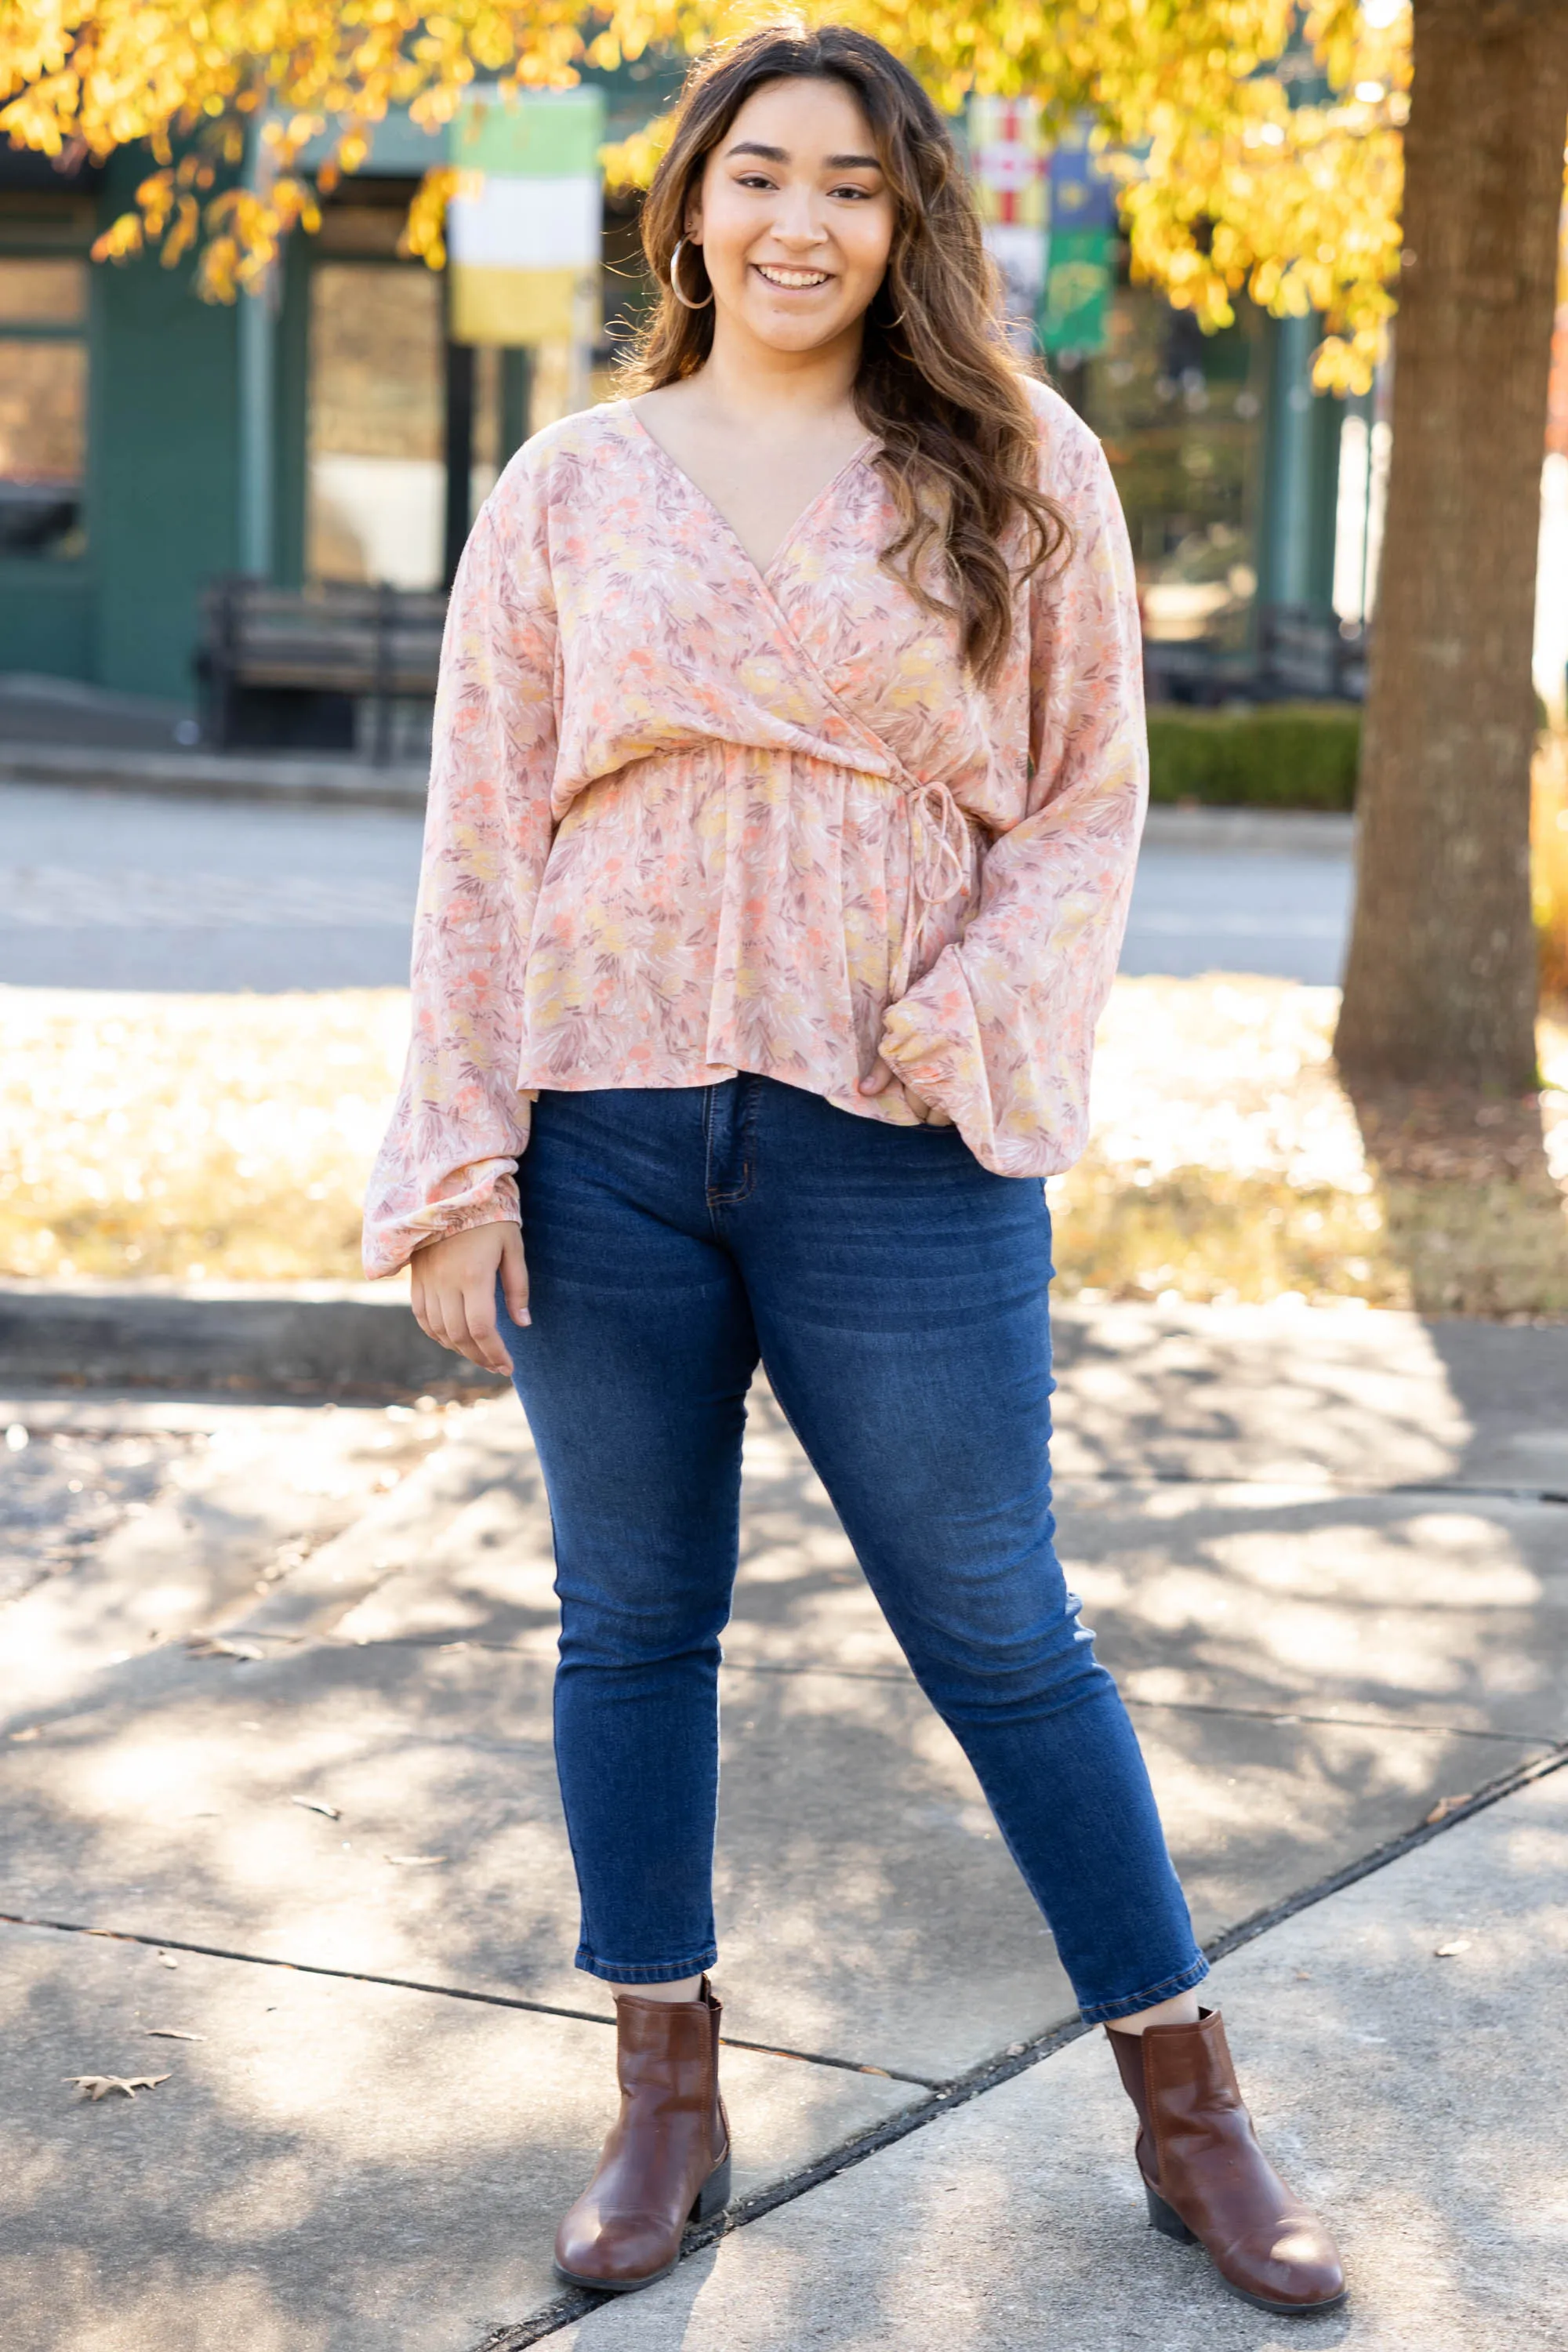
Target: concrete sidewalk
280, 1690
1390, 2042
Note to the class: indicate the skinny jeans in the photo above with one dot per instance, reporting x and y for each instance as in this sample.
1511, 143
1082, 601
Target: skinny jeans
896, 1293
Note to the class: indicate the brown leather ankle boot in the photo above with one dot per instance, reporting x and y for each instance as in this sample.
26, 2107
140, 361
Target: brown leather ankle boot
667, 2159
1206, 2178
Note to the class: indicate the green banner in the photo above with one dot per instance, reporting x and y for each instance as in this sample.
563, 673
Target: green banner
537, 135
1079, 279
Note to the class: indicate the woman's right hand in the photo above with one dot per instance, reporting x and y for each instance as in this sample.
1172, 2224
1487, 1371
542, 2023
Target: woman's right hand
884, 1076
454, 1289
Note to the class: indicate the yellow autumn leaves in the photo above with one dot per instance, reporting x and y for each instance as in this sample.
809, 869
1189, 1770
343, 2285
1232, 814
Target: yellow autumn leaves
1230, 186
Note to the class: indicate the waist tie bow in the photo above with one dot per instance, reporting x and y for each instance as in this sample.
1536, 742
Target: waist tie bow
941, 843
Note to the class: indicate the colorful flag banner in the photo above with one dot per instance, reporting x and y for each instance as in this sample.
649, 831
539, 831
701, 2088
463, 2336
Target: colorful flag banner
1007, 161
523, 234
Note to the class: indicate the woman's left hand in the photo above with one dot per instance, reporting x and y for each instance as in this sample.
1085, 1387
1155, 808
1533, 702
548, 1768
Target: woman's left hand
928, 1114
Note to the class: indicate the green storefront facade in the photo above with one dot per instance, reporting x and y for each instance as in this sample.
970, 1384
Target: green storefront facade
151, 442
147, 375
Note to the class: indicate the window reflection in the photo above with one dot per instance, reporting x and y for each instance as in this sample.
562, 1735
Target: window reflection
1178, 412
43, 293
43, 407
377, 478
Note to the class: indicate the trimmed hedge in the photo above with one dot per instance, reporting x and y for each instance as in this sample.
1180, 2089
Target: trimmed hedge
1288, 755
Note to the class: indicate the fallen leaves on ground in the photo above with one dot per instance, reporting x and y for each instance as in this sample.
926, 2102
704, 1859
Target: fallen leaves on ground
186, 1136
1227, 1161
230, 1136
214, 1645
1443, 1808
97, 2086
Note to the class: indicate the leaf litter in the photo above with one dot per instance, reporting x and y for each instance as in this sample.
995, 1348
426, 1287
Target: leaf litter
1227, 1160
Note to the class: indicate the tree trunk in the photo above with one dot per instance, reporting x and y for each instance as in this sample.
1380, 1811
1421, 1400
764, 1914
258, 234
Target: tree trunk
1440, 986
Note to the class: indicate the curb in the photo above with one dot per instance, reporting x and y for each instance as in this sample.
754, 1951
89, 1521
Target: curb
351, 783
305, 1336
216, 775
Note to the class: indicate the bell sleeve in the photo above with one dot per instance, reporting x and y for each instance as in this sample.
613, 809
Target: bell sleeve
999, 1032
460, 1126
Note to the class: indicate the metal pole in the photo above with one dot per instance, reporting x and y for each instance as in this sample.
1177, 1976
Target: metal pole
385, 620
1288, 553
256, 337
459, 455
516, 385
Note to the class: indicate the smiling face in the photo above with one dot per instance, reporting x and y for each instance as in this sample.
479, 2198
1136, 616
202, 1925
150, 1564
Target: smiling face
795, 215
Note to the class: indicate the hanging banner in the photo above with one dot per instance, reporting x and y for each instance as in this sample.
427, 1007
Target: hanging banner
1080, 249
1007, 161
523, 235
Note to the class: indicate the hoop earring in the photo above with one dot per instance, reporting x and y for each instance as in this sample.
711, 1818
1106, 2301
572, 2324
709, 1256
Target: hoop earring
675, 282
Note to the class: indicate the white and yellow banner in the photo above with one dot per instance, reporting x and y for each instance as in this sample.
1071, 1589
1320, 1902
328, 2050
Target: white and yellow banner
524, 229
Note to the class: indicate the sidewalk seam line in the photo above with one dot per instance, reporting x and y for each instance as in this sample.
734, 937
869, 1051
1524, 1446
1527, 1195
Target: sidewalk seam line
1282, 1714
1350, 1490
441, 1993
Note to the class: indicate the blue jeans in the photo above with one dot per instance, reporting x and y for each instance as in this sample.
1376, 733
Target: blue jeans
896, 1293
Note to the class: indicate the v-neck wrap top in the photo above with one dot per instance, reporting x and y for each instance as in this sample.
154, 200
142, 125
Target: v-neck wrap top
689, 818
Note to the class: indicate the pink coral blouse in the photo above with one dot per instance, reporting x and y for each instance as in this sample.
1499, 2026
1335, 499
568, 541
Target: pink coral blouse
688, 818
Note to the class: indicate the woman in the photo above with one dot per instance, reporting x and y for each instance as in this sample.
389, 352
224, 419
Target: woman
788, 778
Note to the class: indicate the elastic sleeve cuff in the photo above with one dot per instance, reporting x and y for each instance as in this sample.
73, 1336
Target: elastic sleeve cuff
496, 1214
932, 1038
389, 1247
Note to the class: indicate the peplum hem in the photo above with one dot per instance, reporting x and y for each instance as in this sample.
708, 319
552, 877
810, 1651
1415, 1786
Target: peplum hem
657, 956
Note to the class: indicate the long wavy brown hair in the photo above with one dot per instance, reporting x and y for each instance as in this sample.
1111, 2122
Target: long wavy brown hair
938, 382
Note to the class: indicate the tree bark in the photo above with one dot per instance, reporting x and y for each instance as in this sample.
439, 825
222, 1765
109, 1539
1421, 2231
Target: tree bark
1440, 987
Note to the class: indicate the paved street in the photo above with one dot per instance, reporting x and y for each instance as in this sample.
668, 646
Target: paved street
1218, 890
121, 890
278, 1719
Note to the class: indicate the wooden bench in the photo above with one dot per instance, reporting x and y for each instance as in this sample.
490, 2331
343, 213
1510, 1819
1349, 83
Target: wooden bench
1308, 654
1298, 655
262, 645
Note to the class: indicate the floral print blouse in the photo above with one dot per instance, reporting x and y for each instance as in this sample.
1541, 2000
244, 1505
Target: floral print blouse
689, 818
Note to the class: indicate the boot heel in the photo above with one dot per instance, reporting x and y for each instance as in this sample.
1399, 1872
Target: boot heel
1162, 2217
714, 2193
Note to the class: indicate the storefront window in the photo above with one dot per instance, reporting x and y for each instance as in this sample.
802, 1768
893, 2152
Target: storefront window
43, 407
1179, 413
377, 475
